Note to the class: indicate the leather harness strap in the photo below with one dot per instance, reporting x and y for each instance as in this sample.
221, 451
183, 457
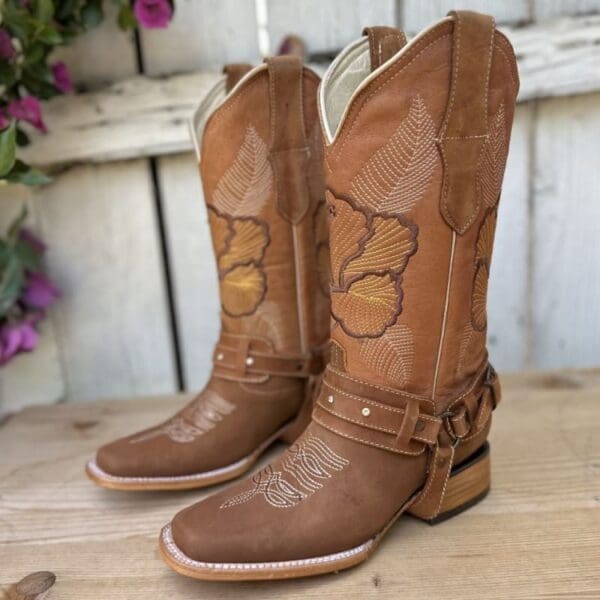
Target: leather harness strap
464, 129
363, 412
241, 357
384, 42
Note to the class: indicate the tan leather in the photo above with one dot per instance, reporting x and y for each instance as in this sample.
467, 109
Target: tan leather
384, 42
267, 218
234, 72
407, 398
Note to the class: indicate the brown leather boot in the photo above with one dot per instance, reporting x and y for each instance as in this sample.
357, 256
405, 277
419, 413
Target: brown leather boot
261, 167
417, 138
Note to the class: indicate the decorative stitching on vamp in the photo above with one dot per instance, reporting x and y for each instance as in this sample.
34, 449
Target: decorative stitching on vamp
202, 415
305, 468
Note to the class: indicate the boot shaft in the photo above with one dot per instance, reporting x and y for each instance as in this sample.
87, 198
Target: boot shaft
260, 151
415, 151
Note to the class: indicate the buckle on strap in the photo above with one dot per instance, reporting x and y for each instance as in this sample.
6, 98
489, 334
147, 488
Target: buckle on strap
474, 409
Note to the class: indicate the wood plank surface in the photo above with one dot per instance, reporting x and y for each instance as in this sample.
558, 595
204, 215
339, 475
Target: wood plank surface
536, 537
555, 58
325, 26
203, 34
193, 267
566, 252
112, 320
508, 334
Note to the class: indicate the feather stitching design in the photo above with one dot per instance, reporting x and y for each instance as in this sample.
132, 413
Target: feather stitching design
398, 174
493, 160
247, 183
391, 356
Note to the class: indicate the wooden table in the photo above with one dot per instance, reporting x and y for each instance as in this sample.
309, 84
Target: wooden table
537, 536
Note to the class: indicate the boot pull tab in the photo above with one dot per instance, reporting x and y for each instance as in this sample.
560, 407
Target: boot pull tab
289, 152
464, 129
234, 72
384, 42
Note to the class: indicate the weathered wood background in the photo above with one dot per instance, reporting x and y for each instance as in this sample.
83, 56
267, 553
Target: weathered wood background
127, 231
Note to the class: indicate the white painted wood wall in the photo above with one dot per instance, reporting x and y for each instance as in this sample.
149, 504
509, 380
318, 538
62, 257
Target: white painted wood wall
129, 242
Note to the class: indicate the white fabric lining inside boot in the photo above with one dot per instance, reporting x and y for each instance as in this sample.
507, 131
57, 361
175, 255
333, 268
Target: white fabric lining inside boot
213, 99
347, 75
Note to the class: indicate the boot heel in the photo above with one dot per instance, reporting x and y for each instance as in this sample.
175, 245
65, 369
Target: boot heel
469, 483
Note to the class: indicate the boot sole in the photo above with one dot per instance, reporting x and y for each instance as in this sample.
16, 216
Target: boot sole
183, 482
468, 484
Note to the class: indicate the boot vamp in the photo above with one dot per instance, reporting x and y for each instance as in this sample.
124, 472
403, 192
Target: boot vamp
325, 494
226, 422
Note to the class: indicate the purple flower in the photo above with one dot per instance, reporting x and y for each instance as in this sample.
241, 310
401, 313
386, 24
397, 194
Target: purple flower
62, 79
28, 109
6, 48
32, 240
21, 337
153, 14
39, 291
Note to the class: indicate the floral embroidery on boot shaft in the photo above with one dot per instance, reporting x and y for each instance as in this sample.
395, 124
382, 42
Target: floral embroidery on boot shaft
306, 466
240, 238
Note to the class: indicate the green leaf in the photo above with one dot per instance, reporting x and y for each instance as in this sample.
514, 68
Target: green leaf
126, 18
12, 278
44, 10
34, 54
8, 149
29, 258
15, 226
92, 14
49, 35
22, 173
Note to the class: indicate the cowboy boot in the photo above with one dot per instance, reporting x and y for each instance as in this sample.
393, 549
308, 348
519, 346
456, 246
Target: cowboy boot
260, 151
416, 143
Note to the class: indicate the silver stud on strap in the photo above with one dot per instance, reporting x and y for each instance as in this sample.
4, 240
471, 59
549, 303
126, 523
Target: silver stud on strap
249, 361
365, 412
330, 399
220, 356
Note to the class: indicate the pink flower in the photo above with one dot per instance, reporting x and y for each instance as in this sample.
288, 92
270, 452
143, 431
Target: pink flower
21, 337
62, 79
153, 14
28, 109
39, 291
32, 240
6, 48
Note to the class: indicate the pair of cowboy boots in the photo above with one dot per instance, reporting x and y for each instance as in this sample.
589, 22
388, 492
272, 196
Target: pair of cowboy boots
415, 142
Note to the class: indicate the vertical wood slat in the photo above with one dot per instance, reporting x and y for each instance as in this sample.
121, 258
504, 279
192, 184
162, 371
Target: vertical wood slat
415, 14
566, 253
203, 34
326, 25
35, 377
508, 288
112, 321
193, 268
